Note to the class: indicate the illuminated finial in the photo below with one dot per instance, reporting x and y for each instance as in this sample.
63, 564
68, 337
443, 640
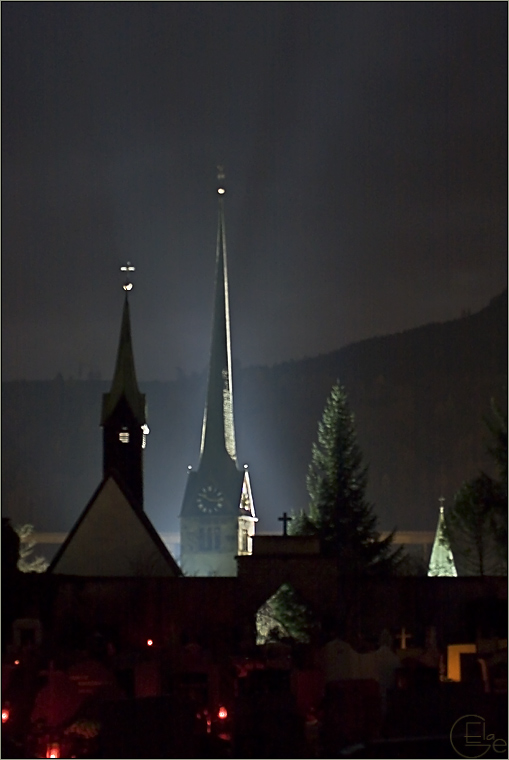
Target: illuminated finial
220, 177
128, 268
441, 502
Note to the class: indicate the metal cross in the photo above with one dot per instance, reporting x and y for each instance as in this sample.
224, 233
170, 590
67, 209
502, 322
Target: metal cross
128, 268
285, 519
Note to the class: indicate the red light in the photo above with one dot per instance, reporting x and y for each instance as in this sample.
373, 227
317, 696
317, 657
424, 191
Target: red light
5, 714
149, 642
222, 713
53, 750
16, 662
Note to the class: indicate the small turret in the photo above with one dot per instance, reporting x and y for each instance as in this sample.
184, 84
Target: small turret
441, 563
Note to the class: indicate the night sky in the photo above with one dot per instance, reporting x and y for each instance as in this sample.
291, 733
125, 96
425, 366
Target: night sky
364, 146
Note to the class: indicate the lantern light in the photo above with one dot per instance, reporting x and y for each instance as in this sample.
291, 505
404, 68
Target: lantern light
53, 750
222, 713
16, 662
149, 642
5, 714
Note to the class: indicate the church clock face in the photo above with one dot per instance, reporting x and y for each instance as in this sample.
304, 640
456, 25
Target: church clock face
210, 500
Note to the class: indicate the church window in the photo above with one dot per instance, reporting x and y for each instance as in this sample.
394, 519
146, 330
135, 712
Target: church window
202, 539
123, 436
209, 539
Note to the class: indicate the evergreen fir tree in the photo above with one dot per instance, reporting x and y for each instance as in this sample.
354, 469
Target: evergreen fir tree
469, 524
339, 513
477, 524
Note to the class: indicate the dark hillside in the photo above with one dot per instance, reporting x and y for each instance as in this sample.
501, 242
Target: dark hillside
419, 398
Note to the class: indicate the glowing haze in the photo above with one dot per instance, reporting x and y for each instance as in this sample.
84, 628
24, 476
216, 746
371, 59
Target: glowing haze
364, 147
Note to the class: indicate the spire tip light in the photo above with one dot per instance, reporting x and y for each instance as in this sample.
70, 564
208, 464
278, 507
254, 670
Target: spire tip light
220, 176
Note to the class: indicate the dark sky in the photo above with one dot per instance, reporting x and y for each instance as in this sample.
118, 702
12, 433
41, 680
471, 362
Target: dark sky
365, 152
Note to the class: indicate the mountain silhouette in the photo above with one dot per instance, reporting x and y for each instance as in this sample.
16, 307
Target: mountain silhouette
419, 397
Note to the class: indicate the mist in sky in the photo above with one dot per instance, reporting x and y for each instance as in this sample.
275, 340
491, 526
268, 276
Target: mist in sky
364, 146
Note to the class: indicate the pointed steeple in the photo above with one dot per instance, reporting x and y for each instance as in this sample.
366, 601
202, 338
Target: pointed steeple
123, 418
441, 563
217, 517
124, 379
218, 432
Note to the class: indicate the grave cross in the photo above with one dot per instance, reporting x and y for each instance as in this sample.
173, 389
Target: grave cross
403, 636
285, 519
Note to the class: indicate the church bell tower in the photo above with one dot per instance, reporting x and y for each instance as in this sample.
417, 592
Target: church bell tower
217, 521
123, 417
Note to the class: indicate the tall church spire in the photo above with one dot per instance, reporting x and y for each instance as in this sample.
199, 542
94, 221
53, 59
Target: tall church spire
218, 432
217, 521
123, 417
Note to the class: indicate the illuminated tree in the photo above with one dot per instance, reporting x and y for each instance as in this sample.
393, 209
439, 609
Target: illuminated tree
339, 513
27, 543
284, 615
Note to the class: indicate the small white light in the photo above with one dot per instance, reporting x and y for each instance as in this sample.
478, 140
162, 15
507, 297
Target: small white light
189, 466
221, 190
128, 286
246, 466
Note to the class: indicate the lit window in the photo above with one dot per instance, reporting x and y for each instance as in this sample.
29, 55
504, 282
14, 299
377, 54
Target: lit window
123, 437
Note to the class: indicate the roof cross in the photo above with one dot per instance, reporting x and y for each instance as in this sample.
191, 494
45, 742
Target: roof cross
285, 519
127, 268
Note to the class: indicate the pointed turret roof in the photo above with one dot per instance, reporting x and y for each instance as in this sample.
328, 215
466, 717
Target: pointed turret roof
218, 432
441, 563
124, 382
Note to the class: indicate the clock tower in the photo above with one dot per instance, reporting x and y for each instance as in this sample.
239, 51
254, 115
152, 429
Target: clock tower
217, 521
